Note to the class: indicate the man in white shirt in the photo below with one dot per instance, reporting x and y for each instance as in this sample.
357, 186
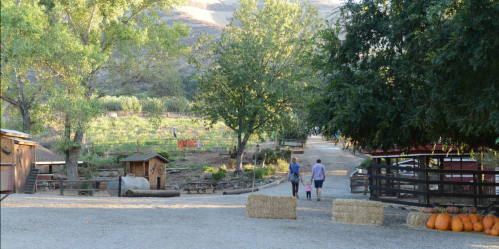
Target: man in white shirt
319, 176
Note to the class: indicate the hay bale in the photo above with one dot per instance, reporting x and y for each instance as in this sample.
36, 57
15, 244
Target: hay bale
417, 219
271, 207
358, 212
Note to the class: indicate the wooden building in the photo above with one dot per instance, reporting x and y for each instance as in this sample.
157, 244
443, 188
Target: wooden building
150, 166
18, 150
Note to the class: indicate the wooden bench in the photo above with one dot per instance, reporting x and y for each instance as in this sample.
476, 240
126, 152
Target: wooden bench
189, 189
358, 181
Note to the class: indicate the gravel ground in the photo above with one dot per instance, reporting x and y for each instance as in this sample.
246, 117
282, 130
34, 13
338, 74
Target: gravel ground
215, 221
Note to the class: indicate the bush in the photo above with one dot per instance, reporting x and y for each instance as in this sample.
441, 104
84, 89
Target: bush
207, 169
284, 154
365, 163
223, 169
177, 104
248, 168
218, 176
282, 165
131, 104
111, 103
152, 105
165, 154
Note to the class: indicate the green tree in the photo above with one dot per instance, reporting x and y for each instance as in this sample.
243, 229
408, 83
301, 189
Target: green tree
256, 70
410, 73
94, 35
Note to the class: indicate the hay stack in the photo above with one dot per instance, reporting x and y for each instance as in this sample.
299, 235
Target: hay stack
417, 219
358, 212
271, 207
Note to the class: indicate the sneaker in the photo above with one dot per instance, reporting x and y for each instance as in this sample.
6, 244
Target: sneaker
296, 195
318, 198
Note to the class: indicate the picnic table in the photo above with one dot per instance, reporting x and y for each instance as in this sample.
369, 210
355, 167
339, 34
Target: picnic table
203, 186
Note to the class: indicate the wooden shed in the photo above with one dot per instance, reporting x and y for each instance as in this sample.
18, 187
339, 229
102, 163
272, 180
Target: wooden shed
150, 166
18, 150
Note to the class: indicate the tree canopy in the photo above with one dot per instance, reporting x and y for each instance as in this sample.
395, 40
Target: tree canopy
257, 68
411, 73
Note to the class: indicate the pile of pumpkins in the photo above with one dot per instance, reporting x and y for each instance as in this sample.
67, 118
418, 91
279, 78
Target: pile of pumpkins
465, 220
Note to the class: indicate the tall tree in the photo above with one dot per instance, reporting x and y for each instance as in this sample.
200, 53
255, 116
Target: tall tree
411, 73
100, 33
254, 73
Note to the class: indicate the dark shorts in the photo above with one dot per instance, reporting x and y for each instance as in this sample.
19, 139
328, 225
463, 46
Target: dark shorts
318, 183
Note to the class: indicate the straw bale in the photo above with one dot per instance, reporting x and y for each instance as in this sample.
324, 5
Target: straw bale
359, 218
357, 210
271, 207
417, 219
357, 203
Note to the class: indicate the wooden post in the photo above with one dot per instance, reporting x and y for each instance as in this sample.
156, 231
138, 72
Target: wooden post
119, 187
441, 175
61, 186
422, 176
50, 169
138, 148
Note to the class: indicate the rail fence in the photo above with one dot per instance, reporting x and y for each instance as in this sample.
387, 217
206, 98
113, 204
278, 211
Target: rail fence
426, 187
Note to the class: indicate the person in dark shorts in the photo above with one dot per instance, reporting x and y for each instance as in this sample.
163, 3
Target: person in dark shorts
318, 176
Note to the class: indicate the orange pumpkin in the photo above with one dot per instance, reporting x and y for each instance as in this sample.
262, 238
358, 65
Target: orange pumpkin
496, 226
473, 218
494, 232
467, 226
465, 218
477, 227
442, 222
488, 222
431, 222
452, 210
461, 216
487, 231
457, 225
450, 223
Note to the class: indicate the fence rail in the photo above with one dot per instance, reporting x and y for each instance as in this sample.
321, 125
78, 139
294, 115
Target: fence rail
387, 184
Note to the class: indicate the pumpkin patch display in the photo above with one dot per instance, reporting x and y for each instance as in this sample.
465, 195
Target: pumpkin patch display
431, 222
452, 210
477, 227
442, 222
457, 225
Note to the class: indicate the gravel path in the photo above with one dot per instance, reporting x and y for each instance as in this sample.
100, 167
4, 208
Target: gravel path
214, 221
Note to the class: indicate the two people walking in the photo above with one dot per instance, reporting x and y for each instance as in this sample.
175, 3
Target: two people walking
318, 177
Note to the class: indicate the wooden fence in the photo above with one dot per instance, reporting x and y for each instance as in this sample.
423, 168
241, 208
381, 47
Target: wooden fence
386, 184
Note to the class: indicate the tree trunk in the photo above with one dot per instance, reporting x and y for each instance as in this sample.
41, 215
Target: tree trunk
72, 151
241, 146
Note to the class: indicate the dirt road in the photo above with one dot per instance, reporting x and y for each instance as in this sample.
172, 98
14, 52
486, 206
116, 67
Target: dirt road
29, 221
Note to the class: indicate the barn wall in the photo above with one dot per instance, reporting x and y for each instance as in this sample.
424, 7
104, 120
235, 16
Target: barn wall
25, 157
9, 145
157, 169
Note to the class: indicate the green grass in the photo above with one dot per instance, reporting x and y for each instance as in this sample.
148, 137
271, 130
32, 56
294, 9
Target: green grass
122, 134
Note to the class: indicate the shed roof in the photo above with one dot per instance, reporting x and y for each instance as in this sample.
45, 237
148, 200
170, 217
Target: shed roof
45, 155
143, 158
14, 133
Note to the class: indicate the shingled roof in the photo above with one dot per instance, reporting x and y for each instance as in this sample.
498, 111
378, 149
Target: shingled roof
45, 155
143, 158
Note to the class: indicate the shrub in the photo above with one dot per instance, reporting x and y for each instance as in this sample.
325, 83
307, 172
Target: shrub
223, 169
152, 105
177, 104
365, 163
131, 104
111, 103
218, 176
207, 169
282, 165
165, 154
284, 154
248, 168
